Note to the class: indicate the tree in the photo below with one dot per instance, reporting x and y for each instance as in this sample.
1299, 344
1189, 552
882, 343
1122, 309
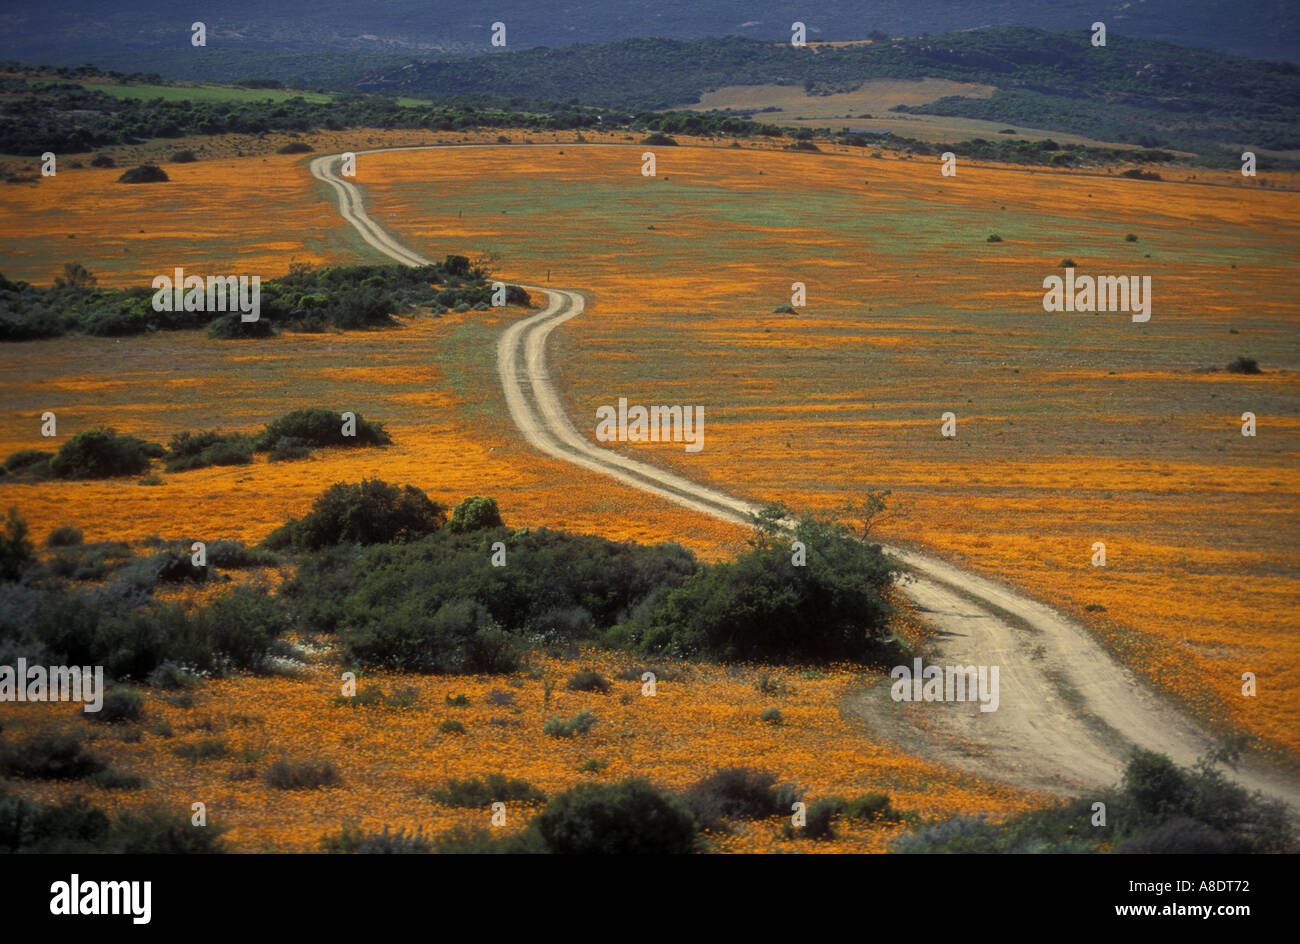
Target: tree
866, 510
76, 276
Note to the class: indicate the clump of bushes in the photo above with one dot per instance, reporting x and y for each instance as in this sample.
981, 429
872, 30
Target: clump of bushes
199, 450
1138, 173
658, 139
103, 453
184, 157
296, 147
496, 788
451, 726
994, 238
78, 828
1158, 807
316, 427
1244, 365
290, 774
369, 512
47, 757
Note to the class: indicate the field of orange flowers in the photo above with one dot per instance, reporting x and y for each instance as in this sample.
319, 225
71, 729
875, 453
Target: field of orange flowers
700, 719
1071, 428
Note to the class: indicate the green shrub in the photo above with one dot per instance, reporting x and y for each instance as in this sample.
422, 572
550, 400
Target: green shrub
352, 839
46, 757
371, 512
1131, 238
296, 147
475, 514
457, 701
31, 463
205, 749
1244, 365
580, 723
738, 793
121, 703
451, 726
102, 453
760, 607
496, 788
771, 716
15, 550
233, 554
994, 238
628, 818
163, 832
289, 774
320, 427
144, 174
659, 140
874, 807
184, 157
588, 680
102, 160
200, 450
64, 536
117, 780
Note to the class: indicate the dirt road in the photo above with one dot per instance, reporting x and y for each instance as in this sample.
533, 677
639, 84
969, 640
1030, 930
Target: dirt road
1068, 714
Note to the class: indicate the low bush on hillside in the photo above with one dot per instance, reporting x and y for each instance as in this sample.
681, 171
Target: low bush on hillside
588, 680
629, 818
318, 427
1158, 807
369, 512
296, 147
77, 828
184, 157
580, 723
65, 535
475, 514
103, 453
15, 550
199, 450
291, 774
739, 793
48, 757
495, 788
144, 174
29, 463
1244, 365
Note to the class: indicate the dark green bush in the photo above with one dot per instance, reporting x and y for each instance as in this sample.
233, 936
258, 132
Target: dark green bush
46, 757
121, 703
588, 680
200, 450
628, 818
29, 462
738, 793
371, 512
233, 327
320, 427
289, 774
64, 535
296, 147
353, 839
15, 550
144, 174
475, 514
496, 788
580, 723
102, 453
184, 157
1244, 365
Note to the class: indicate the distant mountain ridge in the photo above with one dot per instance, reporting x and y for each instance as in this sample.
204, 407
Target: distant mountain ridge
115, 34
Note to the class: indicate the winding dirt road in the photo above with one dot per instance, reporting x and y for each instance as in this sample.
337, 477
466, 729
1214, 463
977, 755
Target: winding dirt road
1068, 714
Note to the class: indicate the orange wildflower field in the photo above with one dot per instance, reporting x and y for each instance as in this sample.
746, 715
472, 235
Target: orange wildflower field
1073, 428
